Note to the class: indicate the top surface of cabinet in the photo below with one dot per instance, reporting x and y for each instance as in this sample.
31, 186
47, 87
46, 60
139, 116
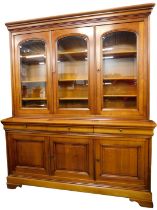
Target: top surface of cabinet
97, 65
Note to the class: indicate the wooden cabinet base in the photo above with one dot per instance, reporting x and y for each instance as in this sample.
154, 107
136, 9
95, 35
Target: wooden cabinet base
13, 186
148, 204
144, 199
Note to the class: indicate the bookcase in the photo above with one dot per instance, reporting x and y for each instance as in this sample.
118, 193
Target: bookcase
80, 90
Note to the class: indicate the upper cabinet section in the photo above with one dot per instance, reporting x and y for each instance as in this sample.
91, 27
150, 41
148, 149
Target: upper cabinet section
93, 64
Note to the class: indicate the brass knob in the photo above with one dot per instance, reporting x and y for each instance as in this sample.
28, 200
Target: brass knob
121, 130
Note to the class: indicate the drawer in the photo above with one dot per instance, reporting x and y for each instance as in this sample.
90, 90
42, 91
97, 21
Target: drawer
119, 130
48, 128
81, 129
53, 128
15, 127
73, 129
37, 127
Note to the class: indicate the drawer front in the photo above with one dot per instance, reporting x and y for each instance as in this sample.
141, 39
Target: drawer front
73, 129
121, 130
48, 128
81, 129
53, 128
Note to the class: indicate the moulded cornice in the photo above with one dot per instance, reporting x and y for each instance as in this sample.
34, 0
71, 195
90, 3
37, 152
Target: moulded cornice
121, 13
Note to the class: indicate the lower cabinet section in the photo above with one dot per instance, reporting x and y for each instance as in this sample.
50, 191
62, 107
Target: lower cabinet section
117, 161
63, 157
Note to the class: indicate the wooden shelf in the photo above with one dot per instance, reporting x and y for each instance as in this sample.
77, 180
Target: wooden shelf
114, 96
70, 98
36, 59
120, 78
72, 55
33, 81
72, 52
35, 106
34, 99
72, 79
33, 56
119, 53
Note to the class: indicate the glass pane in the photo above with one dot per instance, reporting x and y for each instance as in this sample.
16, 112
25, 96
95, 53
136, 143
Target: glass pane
72, 72
33, 74
119, 70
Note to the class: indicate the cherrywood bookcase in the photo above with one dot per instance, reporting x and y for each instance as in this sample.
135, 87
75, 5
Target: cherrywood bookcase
80, 92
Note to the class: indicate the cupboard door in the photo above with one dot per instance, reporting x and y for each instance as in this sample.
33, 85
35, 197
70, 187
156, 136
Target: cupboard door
32, 85
122, 161
120, 59
28, 154
71, 157
74, 64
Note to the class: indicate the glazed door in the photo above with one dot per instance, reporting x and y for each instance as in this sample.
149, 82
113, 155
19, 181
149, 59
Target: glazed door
72, 157
32, 85
74, 70
121, 70
28, 155
122, 161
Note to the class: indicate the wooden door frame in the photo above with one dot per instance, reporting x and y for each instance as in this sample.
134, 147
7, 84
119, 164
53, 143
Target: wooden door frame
12, 139
82, 140
18, 109
142, 87
89, 33
142, 146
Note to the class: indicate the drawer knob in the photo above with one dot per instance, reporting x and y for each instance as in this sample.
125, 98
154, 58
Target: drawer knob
120, 130
97, 160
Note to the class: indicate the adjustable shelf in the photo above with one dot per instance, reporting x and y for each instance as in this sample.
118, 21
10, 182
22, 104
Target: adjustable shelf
72, 52
77, 55
33, 81
119, 53
34, 99
72, 98
33, 59
113, 96
119, 78
72, 79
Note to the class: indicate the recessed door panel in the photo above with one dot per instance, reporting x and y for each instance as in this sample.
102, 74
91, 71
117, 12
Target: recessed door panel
28, 154
122, 161
72, 157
